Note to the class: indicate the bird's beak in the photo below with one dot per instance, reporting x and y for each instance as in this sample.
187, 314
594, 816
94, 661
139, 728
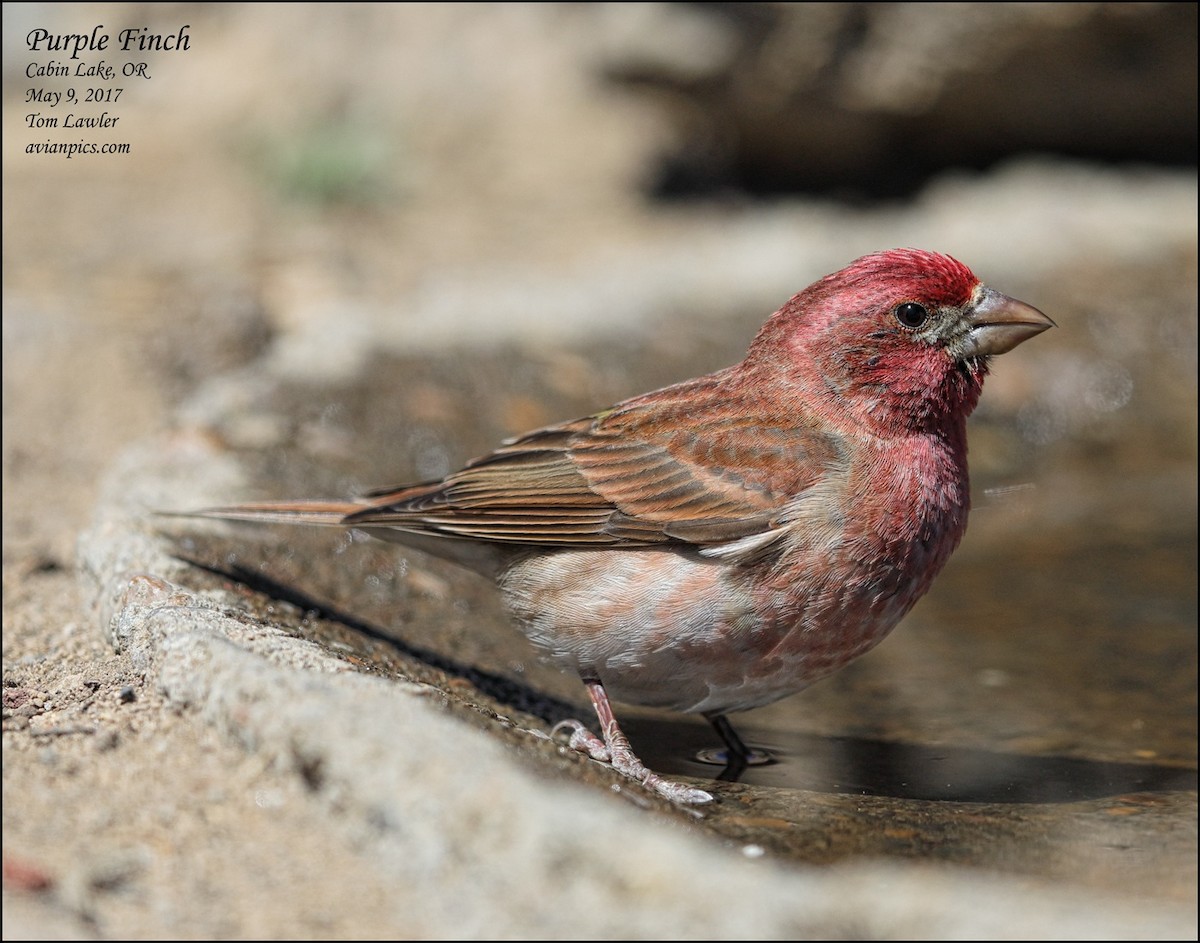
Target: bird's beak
999, 323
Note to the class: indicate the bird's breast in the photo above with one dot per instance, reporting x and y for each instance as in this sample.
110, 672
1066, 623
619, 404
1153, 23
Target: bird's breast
673, 627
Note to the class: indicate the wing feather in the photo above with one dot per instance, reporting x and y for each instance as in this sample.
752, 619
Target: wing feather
676, 466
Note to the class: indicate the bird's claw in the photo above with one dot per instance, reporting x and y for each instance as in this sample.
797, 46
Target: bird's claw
626, 763
583, 740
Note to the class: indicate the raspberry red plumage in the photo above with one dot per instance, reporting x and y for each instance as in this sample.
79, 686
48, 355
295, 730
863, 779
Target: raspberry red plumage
723, 542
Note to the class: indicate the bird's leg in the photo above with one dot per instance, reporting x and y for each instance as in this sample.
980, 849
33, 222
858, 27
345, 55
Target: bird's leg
737, 755
616, 751
737, 747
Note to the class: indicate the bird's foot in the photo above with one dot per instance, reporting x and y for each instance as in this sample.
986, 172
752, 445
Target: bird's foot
626, 762
615, 750
583, 740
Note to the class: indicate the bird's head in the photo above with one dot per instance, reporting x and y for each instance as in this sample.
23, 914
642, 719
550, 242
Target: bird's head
902, 337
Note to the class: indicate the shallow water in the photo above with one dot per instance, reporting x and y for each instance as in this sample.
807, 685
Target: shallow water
861, 766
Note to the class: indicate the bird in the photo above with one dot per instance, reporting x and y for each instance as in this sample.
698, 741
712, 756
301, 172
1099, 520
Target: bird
721, 543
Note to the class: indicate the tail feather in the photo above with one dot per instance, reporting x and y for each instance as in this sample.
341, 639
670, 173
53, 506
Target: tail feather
328, 513
480, 556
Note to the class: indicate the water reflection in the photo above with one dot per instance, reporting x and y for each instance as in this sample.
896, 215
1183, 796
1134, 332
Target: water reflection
871, 767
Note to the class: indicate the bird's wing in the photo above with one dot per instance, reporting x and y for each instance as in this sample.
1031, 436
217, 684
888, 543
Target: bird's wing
659, 469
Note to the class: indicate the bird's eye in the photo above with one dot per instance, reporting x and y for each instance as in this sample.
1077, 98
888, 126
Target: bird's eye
911, 314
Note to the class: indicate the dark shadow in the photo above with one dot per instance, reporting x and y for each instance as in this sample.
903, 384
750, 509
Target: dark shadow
861, 766
749, 129
505, 690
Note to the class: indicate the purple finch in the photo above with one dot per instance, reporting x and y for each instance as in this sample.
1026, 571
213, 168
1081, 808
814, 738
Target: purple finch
722, 543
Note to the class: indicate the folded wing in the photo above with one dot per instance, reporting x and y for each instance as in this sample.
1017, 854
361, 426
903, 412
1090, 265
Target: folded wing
659, 469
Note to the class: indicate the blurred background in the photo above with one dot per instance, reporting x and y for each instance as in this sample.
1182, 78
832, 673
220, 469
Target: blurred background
437, 175
356, 243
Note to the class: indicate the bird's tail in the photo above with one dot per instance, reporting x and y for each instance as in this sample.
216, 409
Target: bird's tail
328, 513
